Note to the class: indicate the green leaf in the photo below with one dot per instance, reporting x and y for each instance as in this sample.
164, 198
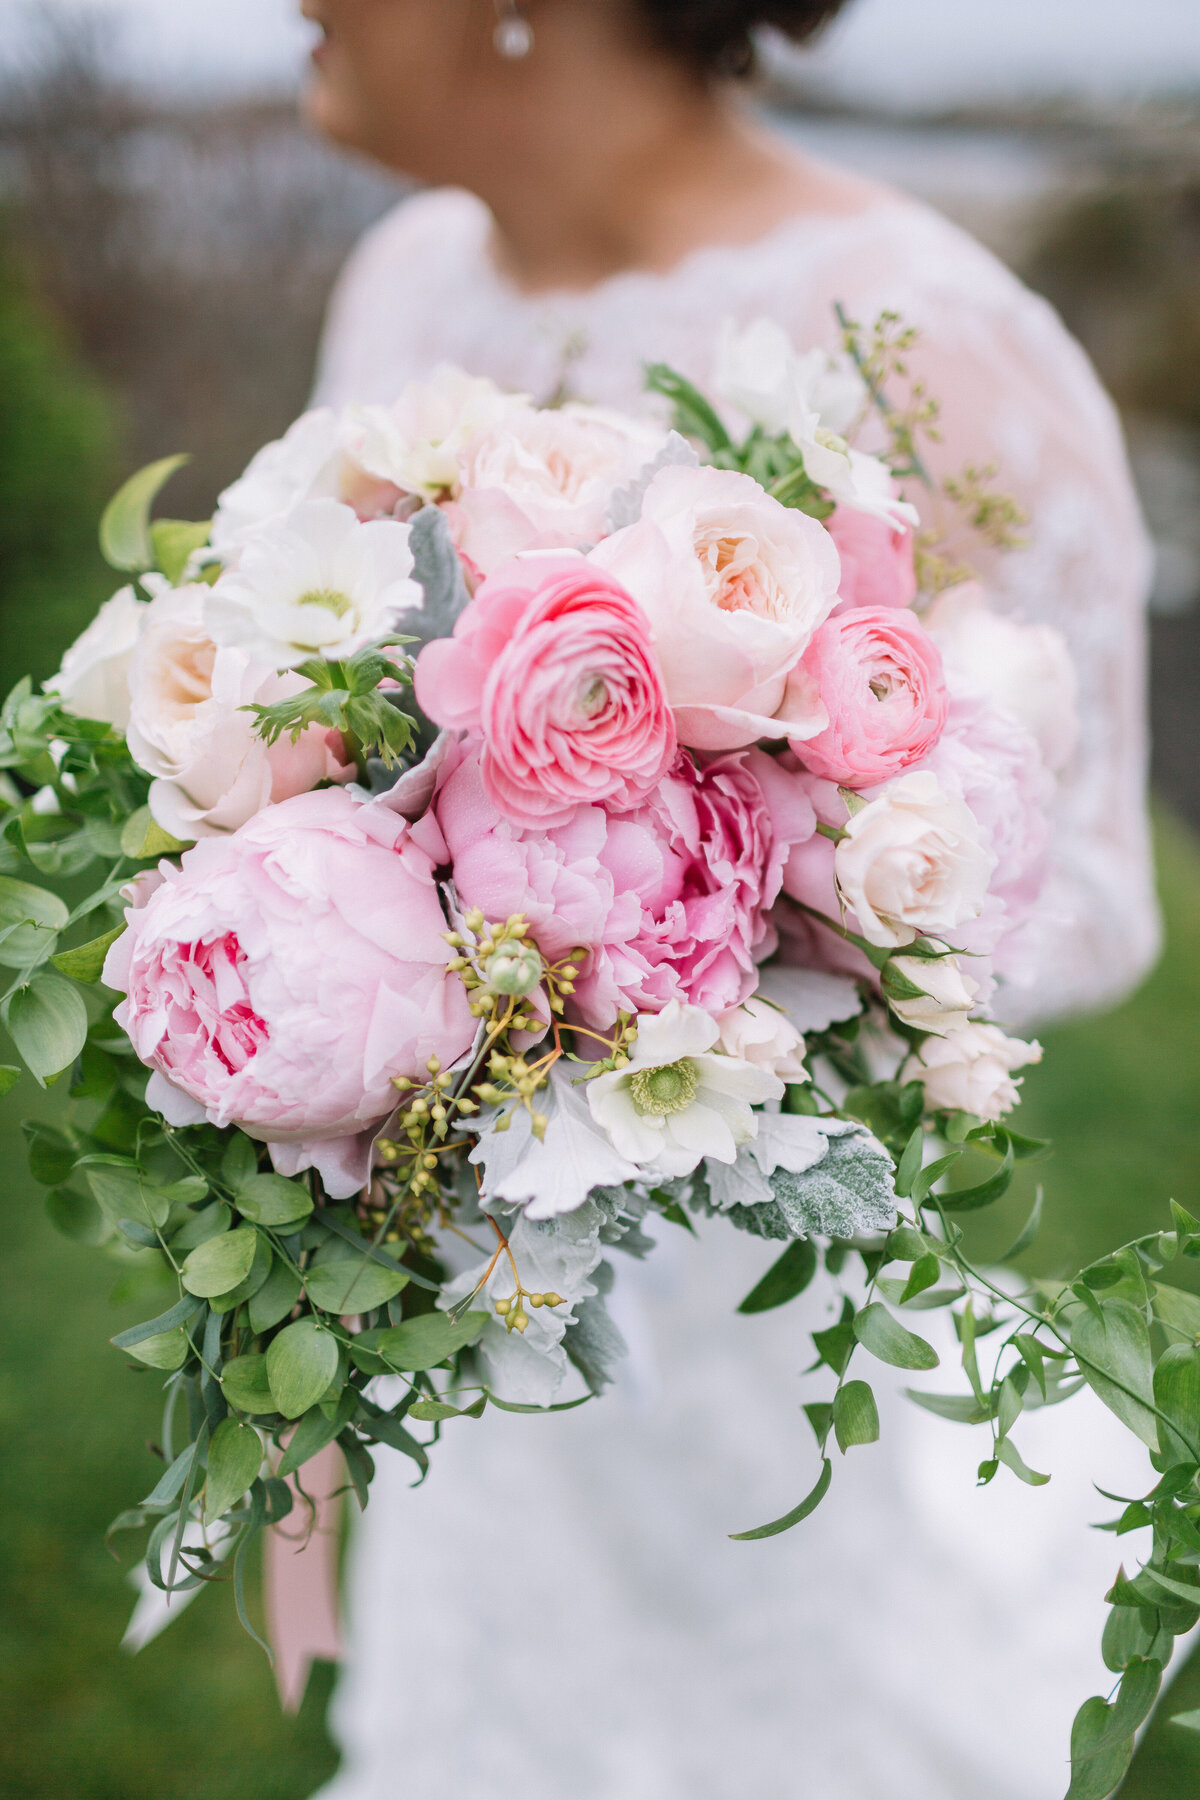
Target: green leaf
835, 1345
855, 1415
433, 1412
86, 961
1179, 1309
179, 1314
272, 1200
1113, 1352
9, 1078
924, 1182
1009, 1456
125, 527
220, 1263
244, 1384
30, 918
1177, 1394
165, 1350
48, 1023
1029, 1235
924, 1274
52, 1156
352, 1285
692, 414
173, 541
910, 1162
808, 1505
985, 1193
886, 1338
819, 1414
77, 1217
319, 1426
301, 1363
275, 1299
240, 1160
786, 1278
423, 1342
142, 837
234, 1459
256, 1277
1186, 1591
123, 1192
960, 1409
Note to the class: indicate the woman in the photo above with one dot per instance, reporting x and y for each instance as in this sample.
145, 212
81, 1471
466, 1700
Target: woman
560, 1611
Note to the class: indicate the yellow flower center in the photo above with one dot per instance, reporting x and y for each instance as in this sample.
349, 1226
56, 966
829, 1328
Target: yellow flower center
671, 1088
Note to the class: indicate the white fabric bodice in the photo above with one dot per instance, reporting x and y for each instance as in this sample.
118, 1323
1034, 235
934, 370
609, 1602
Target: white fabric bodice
558, 1609
1015, 392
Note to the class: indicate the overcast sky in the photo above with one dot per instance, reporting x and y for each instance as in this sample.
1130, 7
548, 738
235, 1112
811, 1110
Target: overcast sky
905, 50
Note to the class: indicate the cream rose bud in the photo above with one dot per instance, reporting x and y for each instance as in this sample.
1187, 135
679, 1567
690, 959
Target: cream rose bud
734, 585
764, 1036
971, 1070
946, 997
93, 680
912, 862
188, 725
1025, 669
416, 443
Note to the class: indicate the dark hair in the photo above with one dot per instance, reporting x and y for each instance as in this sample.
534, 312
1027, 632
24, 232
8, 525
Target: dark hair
716, 36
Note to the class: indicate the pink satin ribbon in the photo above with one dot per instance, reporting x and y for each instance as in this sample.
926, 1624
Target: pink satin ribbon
300, 1580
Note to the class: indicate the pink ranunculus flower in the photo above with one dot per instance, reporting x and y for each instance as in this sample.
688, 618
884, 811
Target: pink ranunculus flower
878, 566
543, 481
734, 585
670, 899
281, 976
553, 665
879, 675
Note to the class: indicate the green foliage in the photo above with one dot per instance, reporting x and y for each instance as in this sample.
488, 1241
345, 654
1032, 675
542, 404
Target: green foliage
125, 539
347, 697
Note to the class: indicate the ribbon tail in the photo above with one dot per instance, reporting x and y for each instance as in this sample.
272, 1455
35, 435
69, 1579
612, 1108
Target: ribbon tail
300, 1580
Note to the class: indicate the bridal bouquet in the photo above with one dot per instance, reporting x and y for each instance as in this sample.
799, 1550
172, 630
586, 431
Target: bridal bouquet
512, 829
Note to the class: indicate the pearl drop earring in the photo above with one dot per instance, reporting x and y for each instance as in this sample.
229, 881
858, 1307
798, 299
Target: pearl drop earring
513, 36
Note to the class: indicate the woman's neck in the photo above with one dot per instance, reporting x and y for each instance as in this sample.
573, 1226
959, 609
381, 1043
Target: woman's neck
577, 199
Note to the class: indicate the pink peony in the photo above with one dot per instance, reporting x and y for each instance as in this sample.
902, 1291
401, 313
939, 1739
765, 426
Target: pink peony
879, 674
553, 664
670, 899
283, 975
877, 559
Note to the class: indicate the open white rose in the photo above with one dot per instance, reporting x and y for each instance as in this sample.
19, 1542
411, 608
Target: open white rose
93, 680
971, 1070
187, 727
417, 442
763, 1035
1026, 669
734, 586
678, 1100
946, 998
316, 583
543, 481
313, 460
758, 371
912, 862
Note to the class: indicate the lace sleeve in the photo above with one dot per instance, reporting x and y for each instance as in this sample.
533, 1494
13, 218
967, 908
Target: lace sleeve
1017, 393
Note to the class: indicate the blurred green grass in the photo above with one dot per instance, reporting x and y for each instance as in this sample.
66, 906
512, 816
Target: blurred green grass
195, 1717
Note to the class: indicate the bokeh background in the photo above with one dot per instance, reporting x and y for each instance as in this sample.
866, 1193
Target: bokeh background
168, 236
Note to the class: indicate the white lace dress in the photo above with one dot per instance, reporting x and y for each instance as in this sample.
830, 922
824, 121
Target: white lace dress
558, 1611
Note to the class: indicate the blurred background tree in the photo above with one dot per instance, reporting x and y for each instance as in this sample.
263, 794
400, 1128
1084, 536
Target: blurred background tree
163, 270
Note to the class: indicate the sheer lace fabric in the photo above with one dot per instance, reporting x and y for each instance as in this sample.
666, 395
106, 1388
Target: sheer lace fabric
559, 1607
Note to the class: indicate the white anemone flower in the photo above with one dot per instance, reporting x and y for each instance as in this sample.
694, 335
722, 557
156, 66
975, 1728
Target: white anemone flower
677, 1101
316, 583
